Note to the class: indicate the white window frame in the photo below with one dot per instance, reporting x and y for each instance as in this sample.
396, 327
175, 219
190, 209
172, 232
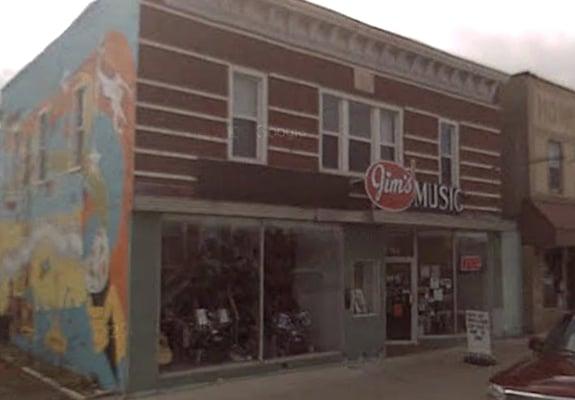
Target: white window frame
261, 121
345, 136
455, 181
42, 150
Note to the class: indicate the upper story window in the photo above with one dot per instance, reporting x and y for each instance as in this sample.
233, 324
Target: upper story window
79, 134
449, 145
43, 147
355, 134
555, 162
248, 112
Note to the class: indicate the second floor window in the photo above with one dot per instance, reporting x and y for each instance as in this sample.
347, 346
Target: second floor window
355, 134
43, 147
79, 134
555, 162
248, 125
448, 143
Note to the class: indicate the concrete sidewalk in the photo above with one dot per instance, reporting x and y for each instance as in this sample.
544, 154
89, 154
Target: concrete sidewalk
438, 375
16, 385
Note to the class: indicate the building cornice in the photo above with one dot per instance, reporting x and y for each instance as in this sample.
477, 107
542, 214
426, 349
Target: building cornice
304, 25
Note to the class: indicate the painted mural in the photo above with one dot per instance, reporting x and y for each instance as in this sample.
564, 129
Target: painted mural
66, 191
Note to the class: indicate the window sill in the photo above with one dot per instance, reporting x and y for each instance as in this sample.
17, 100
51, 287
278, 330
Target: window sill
253, 161
365, 316
348, 174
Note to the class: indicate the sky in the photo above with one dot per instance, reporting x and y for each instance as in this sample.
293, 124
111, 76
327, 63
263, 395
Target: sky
510, 35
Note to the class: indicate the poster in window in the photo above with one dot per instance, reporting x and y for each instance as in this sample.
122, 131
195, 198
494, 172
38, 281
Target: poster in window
359, 303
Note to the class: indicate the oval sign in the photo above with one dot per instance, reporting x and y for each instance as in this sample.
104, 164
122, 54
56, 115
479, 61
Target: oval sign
390, 186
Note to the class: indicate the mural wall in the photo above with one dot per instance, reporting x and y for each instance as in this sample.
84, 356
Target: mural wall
66, 198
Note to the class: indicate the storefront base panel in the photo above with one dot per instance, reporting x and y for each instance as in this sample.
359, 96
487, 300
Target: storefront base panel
364, 334
192, 378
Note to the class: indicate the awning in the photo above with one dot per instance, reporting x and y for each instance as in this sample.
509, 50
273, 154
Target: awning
548, 224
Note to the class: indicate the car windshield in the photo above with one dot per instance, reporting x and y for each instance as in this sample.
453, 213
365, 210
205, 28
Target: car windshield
562, 336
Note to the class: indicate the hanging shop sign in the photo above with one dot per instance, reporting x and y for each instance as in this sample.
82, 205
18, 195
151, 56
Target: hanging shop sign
470, 264
393, 187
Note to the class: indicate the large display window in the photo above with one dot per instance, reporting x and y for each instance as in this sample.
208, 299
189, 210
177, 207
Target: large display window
243, 292
436, 289
210, 294
472, 274
302, 283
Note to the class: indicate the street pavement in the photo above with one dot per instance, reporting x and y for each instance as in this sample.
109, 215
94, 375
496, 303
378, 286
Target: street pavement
437, 375
16, 385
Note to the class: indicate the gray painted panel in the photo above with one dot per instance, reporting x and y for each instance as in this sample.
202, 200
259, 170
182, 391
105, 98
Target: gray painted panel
365, 336
144, 302
512, 283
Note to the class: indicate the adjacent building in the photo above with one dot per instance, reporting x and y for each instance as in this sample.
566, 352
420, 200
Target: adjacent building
204, 189
540, 192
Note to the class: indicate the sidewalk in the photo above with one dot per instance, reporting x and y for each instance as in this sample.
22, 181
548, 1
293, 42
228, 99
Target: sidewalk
438, 375
16, 385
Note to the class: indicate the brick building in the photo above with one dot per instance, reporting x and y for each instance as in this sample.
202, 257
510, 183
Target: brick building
247, 185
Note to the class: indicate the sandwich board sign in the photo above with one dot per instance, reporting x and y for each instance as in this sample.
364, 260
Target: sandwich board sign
479, 347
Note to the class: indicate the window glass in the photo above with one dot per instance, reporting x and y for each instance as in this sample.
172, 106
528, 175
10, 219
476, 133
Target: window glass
331, 113
302, 291
364, 286
79, 107
447, 133
210, 295
446, 171
246, 89
387, 153
359, 120
245, 138
330, 152
555, 159
472, 274
247, 120
436, 284
447, 145
359, 156
387, 128
43, 148
77, 147
552, 278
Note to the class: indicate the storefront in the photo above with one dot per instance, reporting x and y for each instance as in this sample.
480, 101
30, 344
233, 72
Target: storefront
548, 233
247, 291
240, 292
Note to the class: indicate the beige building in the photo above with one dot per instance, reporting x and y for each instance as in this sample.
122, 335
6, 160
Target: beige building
539, 170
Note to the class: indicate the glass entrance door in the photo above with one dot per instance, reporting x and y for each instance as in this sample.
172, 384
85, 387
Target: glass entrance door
399, 299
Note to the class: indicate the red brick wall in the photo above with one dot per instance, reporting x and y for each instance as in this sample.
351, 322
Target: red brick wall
191, 60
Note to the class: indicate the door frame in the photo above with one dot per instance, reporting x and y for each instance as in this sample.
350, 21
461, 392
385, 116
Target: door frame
414, 309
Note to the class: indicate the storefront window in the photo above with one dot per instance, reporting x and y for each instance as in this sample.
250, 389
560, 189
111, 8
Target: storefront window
210, 294
223, 301
472, 265
553, 278
364, 284
436, 284
302, 291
